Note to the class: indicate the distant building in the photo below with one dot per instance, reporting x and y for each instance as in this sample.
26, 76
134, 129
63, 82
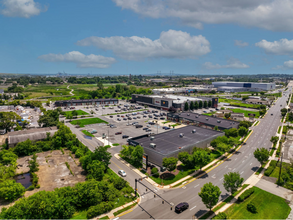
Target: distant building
49, 82
35, 134
85, 102
258, 101
243, 86
1, 91
189, 89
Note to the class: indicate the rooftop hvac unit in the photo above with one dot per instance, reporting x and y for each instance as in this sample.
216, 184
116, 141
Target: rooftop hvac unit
152, 138
178, 99
188, 114
181, 135
193, 131
219, 121
207, 119
196, 116
152, 145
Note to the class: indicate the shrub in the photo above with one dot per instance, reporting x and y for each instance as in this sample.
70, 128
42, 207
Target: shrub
246, 194
269, 171
99, 209
31, 187
273, 163
155, 171
221, 215
251, 207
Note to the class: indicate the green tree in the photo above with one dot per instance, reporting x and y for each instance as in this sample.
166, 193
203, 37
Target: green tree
48, 103
8, 119
95, 170
170, 163
100, 85
227, 115
145, 106
33, 165
216, 128
10, 190
6, 172
183, 157
201, 158
210, 195
74, 113
195, 105
191, 105
274, 139
137, 154
283, 111
186, 106
101, 154
245, 124
210, 103
242, 131
262, 155
232, 132
205, 104
200, 104
232, 181
7, 157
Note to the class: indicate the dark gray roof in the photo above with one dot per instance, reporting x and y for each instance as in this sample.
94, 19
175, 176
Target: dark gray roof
209, 120
168, 142
35, 134
1, 90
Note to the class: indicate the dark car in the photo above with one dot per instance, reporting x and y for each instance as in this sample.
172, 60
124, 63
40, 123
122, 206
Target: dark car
181, 207
156, 118
148, 130
119, 132
129, 118
144, 116
162, 118
272, 114
167, 128
125, 119
145, 129
118, 119
138, 117
138, 126
118, 115
111, 116
152, 123
125, 136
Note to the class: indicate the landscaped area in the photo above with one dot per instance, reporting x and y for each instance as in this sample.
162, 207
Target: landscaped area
87, 133
78, 112
269, 206
238, 110
88, 121
239, 103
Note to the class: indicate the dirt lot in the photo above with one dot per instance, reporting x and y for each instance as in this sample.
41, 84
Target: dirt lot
53, 172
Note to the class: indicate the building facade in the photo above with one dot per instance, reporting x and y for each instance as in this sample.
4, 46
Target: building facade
85, 102
243, 86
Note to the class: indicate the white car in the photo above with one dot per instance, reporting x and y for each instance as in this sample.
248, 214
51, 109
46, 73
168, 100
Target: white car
122, 173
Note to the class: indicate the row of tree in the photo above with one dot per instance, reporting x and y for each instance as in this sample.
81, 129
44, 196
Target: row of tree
197, 105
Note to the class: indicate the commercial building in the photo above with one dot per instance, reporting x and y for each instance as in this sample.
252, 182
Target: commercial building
164, 102
202, 120
84, 102
243, 86
35, 134
189, 89
170, 143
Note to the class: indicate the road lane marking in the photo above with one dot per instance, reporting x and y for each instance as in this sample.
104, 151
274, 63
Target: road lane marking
250, 164
234, 169
236, 158
115, 164
226, 166
196, 185
242, 172
243, 161
192, 208
222, 178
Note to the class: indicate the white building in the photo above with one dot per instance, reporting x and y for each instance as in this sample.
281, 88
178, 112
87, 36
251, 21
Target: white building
243, 86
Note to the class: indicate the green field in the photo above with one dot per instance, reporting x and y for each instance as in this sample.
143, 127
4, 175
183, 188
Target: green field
269, 206
80, 112
239, 103
88, 121
237, 110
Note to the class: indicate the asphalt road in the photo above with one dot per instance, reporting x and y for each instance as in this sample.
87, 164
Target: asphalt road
243, 162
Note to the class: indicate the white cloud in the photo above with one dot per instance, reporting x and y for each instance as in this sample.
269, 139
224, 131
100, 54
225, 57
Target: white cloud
81, 60
171, 44
273, 15
21, 8
232, 63
281, 47
287, 65
240, 43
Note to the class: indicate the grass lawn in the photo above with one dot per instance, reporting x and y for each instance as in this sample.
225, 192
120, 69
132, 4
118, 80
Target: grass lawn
80, 112
209, 114
87, 133
88, 121
238, 103
269, 206
279, 129
237, 110
79, 215
116, 144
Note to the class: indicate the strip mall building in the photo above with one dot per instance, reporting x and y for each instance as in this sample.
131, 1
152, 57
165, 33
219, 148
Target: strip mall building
85, 102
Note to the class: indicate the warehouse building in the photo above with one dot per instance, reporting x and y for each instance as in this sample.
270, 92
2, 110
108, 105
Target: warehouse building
243, 86
170, 143
202, 120
164, 102
84, 102
189, 89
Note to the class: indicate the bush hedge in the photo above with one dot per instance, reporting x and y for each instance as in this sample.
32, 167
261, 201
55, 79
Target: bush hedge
246, 194
271, 168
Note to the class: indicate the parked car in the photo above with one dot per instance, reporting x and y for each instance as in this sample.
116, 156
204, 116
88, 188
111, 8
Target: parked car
111, 116
125, 119
134, 117
162, 118
118, 115
129, 118
144, 116
167, 128
148, 130
138, 117
119, 132
122, 173
144, 128
156, 118
138, 126
118, 119
181, 207
125, 136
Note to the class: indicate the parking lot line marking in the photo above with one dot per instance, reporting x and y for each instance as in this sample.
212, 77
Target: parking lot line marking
226, 166
236, 158
222, 178
192, 208
250, 164
242, 172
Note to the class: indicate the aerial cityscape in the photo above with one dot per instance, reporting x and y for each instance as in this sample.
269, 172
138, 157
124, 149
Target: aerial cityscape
141, 109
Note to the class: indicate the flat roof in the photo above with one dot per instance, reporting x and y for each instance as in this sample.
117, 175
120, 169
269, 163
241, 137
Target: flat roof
224, 123
169, 141
86, 100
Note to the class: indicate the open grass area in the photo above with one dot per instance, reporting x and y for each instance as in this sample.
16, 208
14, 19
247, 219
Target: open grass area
36, 91
79, 112
209, 114
239, 103
269, 206
88, 121
124, 209
237, 110
279, 129
87, 133
79, 215
116, 144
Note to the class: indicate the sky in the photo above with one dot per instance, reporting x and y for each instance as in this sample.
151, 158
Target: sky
146, 36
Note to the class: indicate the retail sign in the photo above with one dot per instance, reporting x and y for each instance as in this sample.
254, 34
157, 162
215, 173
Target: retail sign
144, 161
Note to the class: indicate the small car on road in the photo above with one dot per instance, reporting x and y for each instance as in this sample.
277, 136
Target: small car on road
181, 207
122, 173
